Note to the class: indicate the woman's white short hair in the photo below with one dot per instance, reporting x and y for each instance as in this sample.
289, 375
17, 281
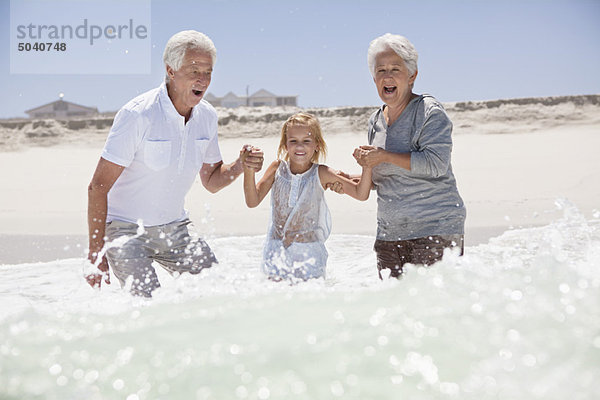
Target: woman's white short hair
401, 46
183, 41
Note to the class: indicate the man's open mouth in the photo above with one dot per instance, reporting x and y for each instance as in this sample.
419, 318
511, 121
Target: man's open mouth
197, 92
389, 89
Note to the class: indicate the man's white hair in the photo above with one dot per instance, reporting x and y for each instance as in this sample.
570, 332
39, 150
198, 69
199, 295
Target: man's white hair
183, 41
400, 45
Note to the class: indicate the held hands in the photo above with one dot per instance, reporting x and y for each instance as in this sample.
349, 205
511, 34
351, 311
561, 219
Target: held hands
337, 185
369, 156
252, 158
366, 157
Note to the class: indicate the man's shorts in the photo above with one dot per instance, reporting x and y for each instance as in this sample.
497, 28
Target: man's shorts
393, 255
175, 246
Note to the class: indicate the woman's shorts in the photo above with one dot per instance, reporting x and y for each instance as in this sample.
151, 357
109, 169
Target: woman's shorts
393, 255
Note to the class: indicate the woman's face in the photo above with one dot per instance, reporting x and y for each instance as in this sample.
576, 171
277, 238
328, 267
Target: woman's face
392, 79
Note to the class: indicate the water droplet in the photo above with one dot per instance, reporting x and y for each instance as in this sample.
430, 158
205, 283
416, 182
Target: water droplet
513, 335
264, 393
529, 360
118, 384
383, 340
337, 389
55, 369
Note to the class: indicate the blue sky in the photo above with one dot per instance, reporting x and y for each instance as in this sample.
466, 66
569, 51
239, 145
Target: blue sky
468, 50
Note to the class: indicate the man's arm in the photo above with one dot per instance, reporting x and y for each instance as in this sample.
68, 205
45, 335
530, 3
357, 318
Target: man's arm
104, 177
216, 176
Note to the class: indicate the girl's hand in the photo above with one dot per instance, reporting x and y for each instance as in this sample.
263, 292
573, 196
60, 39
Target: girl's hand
369, 156
252, 158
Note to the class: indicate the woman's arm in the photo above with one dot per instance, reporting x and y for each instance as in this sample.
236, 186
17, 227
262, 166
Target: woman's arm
358, 190
370, 156
434, 148
256, 192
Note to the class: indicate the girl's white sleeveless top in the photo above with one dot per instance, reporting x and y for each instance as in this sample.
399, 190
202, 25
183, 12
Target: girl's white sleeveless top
298, 208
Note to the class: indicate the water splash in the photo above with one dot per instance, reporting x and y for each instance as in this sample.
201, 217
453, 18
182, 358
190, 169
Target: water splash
518, 317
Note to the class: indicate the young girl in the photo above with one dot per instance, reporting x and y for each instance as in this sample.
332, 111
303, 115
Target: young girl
300, 219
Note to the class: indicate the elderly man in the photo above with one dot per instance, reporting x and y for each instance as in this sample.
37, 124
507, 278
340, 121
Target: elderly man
159, 141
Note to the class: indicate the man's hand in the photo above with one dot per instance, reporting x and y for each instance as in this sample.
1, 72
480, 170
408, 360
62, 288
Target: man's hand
252, 158
94, 275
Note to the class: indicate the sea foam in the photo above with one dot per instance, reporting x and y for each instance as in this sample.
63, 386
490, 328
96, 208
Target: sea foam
516, 318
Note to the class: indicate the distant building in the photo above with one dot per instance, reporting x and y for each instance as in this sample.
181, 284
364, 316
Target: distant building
231, 100
212, 99
260, 98
61, 109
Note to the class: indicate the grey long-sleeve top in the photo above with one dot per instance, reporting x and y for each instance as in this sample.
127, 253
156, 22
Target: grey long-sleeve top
423, 201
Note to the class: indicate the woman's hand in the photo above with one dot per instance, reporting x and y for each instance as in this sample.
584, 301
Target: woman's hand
369, 156
337, 186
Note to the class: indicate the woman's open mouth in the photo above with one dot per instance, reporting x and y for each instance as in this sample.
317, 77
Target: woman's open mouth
389, 89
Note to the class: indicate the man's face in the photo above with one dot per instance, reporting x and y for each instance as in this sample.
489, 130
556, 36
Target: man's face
188, 84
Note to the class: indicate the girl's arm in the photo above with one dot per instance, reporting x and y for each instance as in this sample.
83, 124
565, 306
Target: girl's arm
256, 192
359, 190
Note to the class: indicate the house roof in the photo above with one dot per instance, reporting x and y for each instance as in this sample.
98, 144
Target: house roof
263, 93
93, 109
232, 95
259, 93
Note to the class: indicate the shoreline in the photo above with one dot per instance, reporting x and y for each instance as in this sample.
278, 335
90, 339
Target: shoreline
17, 248
523, 179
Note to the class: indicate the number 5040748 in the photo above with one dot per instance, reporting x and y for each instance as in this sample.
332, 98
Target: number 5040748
42, 46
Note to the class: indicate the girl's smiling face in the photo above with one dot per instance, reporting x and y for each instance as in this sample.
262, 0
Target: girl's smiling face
300, 145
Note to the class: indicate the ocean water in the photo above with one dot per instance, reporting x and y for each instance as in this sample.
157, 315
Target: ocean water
515, 318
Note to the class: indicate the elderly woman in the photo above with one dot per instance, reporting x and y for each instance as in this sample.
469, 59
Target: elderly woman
419, 210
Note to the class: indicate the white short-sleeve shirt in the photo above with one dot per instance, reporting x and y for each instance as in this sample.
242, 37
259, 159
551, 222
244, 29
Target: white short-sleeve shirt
162, 156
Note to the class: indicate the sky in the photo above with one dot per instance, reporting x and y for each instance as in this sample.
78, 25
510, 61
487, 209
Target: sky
468, 50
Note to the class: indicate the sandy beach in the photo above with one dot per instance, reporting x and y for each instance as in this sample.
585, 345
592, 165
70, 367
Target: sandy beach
512, 163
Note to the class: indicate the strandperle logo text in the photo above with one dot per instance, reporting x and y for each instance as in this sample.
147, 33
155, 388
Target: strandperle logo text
83, 31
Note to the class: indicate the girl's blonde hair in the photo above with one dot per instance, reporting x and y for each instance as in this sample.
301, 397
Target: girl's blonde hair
312, 123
